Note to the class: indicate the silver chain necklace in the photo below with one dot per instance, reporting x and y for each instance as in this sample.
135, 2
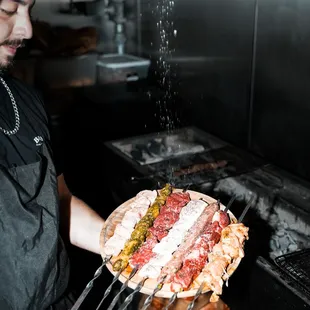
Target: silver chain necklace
16, 113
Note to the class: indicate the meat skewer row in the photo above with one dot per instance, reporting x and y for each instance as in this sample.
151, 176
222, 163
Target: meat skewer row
196, 230
224, 258
168, 216
194, 214
201, 167
138, 236
195, 260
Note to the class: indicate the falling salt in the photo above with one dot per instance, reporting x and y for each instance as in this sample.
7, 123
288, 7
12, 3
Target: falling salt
164, 10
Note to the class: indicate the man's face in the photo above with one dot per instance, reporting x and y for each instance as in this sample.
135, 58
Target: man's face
15, 26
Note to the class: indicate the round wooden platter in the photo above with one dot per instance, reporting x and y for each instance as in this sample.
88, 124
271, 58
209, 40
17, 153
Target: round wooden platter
150, 284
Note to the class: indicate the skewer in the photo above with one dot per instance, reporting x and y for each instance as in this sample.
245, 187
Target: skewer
124, 286
149, 300
108, 290
186, 188
130, 297
231, 201
246, 209
199, 291
205, 201
171, 300
90, 285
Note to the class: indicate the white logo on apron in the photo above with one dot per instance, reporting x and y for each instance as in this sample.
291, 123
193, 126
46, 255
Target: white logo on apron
38, 140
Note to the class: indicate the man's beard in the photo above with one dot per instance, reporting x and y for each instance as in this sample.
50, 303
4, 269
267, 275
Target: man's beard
8, 62
4, 67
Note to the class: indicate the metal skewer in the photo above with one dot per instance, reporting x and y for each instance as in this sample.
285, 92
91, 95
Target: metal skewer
231, 201
108, 290
171, 301
149, 300
130, 297
90, 285
124, 286
208, 203
187, 188
246, 209
199, 291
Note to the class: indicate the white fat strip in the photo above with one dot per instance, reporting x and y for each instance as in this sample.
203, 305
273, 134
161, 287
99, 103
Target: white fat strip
130, 219
169, 244
216, 217
112, 246
153, 270
123, 230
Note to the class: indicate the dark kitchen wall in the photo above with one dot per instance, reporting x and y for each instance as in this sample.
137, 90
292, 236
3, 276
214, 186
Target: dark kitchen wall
281, 110
212, 60
90, 14
213, 63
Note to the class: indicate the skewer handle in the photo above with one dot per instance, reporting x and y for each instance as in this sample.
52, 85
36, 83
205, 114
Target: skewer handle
199, 291
130, 297
90, 285
171, 301
108, 290
124, 286
149, 300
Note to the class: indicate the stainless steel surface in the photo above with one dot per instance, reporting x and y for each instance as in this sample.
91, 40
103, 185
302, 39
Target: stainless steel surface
281, 113
212, 60
253, 71
138, 26
111, 37
243, 64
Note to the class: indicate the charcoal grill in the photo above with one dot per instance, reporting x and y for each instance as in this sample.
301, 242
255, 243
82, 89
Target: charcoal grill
152, 158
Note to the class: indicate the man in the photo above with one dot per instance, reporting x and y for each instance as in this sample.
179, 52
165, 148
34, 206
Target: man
34, 197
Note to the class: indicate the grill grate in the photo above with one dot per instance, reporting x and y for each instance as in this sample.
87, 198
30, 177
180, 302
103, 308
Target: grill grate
297, 266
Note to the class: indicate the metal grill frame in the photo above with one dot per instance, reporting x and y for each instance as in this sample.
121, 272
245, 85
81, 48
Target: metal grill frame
296, 265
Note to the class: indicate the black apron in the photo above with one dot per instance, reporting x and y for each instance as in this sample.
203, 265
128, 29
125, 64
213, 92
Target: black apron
34, 264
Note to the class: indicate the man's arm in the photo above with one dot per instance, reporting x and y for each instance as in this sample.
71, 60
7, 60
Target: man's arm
81, 222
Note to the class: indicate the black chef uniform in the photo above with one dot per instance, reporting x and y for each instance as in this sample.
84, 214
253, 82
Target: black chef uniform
34, 266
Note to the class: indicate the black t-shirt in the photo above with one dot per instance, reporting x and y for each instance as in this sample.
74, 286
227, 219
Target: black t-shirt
21, 148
